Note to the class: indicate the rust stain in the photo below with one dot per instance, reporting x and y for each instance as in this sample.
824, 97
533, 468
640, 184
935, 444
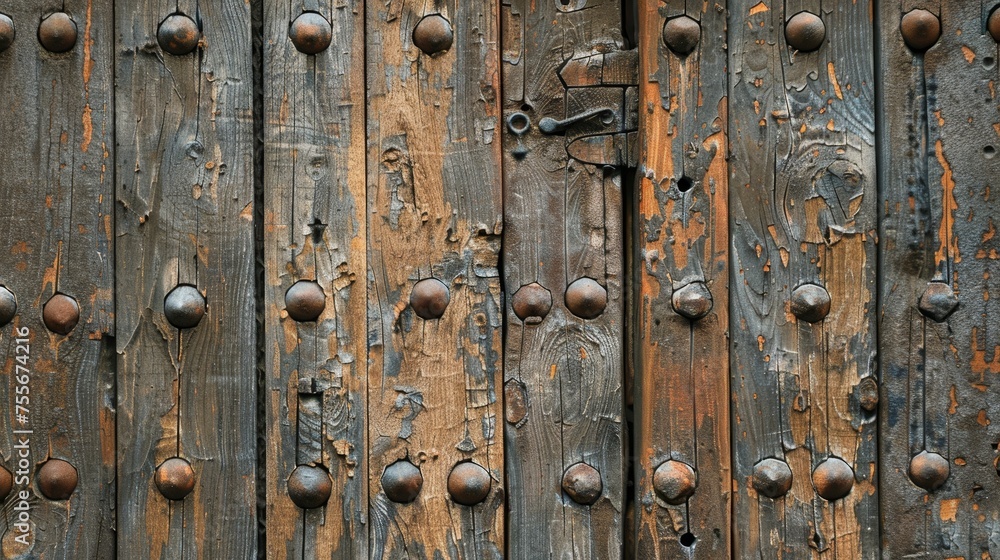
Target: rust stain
952, 396
759, 9
968, 54
88, 128
831, 71
949, 241
949, 509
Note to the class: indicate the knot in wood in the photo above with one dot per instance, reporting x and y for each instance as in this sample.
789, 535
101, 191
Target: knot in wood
772, 478
305, 301
469, 483
532, 303
805, 32
938, 301
402, 482
57, 32
920, 29
429, 298
309, 487
929, 470
60, 314
810, 303
586, 299
833, 479
57, 479
8, 306
433, 34
6, 32
184, 307
582, 483
681, 34
310, 33
693, 301
178, 34
674, 482
174, 478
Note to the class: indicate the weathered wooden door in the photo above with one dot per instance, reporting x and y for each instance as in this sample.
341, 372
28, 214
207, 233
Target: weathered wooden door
482, 279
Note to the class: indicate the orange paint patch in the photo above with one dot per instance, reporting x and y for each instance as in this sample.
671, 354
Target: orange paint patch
948, 249
949, 509
953, 407
968, 54
831, 72
982, 419
759, 9
88, 128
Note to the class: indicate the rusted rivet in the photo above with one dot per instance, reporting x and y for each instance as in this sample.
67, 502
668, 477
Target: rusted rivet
184, 307
868, 394
6, 483
310, 33
810, 303
469, 483
6, 32
178, 34
772, 478
805, 32
60, 314
309, 487
674, 482
57, 32
920, 29
583, 484
174, 478
402, 481
681, 34
929, 470
994, 24
693, 301
532, 302
429, 298
938, 301
305, 301
586, 299
57, 479
433, 34
8, 306
833, 479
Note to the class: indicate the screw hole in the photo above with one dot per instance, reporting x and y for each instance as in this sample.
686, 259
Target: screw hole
989, 152
526, 107
988, 62
687, 539
564, 2
684, 184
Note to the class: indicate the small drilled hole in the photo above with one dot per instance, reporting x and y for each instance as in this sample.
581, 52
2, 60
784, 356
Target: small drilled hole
684, 184
988, 61
989, 152
526, 107
687, 539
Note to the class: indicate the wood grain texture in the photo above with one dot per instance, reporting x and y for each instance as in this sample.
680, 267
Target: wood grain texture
314, 230
802, 209
185, 216
941, 129
563, 223
434, 201
681, 246
56, 236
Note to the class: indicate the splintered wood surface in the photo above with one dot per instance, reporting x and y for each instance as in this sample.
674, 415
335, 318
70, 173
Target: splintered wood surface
681, 285
185, 219
434, 295
314, 263
803, 224
939, 351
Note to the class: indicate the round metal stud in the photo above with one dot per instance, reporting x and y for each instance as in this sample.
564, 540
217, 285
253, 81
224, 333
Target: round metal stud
7, 32
429, 298
305, 301
310, 33
184, 307
805, 32
402, 482
174, 478
532, 303
8, 306
674, 482
178, 34
833, 479
57, 479
693, 301
772, 478
586, 299
57, 32
469, 484
60, 314
929, 470
810, 303
938, 302
583, 484
920, 29
994, 24
433, 34
309, 487
681, 34
6, 483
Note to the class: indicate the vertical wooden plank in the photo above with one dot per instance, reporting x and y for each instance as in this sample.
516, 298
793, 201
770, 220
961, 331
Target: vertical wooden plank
434, 300
802, 186
681, 290
56, 180
314, 249
939, 341
563, 268
185, 219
